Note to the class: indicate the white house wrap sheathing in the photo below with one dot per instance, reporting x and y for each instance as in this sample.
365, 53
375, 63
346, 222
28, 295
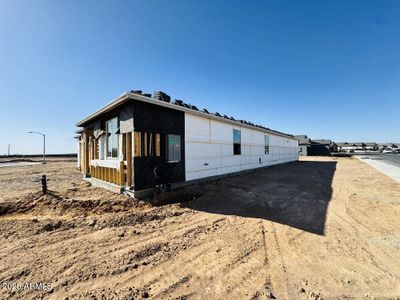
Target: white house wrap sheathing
209, 148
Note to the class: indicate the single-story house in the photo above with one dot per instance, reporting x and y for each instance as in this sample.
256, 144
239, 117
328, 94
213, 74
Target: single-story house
304, 144
371, 146
388, 146
346, 147
358, 146
139, 142
361, 146
322, 147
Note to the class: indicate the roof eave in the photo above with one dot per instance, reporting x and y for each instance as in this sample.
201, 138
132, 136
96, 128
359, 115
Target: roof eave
127, 96
114, 103
203, 114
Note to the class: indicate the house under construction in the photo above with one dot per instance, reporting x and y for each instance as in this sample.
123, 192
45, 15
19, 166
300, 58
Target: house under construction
139, 141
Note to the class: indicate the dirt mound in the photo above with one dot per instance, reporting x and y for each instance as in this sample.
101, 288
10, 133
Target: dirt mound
134, 218
62, 203
19, 205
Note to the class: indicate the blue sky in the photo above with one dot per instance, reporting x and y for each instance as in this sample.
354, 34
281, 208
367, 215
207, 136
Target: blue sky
329, 69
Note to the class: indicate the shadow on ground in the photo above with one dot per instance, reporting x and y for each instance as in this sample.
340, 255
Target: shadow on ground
295, 194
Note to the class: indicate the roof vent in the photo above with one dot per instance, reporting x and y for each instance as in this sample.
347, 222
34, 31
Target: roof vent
161, 96
139, 92
179, 102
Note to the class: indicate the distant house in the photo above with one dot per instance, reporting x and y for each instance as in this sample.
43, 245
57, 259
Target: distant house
322, 147
388, 146
358, 146
304, 144
371, 146
346, 147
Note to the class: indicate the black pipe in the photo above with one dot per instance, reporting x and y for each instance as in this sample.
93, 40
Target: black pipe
44, 185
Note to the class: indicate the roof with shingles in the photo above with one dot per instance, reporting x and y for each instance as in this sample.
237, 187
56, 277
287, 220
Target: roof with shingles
322, 142
303, 139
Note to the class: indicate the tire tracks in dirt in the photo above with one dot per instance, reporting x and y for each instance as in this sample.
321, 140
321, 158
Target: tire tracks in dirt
360, 232
276, 264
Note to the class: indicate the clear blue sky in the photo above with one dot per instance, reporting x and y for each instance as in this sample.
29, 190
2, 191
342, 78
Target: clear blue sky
329, 69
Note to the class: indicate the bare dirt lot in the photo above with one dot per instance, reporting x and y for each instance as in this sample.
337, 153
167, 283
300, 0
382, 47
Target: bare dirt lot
320, 228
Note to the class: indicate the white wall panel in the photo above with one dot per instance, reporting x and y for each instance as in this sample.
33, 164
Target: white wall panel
199, 131
220, 132
209, 148
247, 135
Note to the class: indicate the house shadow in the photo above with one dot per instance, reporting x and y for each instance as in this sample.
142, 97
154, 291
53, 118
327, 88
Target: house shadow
295, 194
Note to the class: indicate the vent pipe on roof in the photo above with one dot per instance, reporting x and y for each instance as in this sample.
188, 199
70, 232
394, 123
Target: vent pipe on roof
161, 96
179, 102
139, 92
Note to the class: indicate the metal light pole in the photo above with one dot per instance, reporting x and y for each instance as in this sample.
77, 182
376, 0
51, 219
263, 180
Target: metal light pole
44, 144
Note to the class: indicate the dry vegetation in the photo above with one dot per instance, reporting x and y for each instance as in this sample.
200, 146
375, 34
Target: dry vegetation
316, 229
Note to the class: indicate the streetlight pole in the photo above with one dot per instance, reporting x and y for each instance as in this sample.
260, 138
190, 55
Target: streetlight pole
44, 144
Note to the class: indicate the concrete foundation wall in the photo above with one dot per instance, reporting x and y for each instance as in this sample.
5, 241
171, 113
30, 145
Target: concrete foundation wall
209, 148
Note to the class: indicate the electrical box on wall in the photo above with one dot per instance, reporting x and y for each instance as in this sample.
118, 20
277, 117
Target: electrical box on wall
173, 147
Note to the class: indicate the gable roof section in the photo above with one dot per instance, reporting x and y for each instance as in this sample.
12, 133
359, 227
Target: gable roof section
303, 139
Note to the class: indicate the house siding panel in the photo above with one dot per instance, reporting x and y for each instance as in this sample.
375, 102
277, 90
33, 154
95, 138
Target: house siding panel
209, 148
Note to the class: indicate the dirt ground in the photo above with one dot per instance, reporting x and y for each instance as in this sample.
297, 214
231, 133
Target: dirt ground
320, 228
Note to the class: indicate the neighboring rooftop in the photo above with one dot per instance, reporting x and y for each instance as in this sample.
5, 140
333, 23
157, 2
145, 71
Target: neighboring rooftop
389, 145
322, 142
345, 144
356, 144
303, 139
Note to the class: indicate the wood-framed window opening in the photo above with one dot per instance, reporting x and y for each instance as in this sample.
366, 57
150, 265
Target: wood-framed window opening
147, 144
112, 138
